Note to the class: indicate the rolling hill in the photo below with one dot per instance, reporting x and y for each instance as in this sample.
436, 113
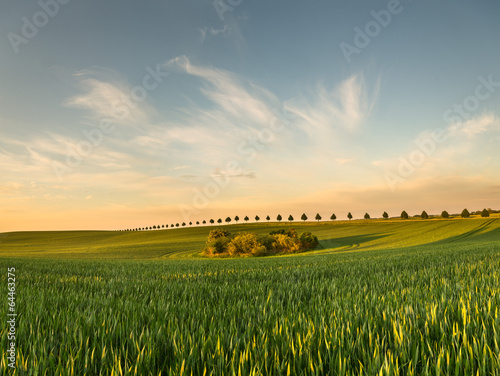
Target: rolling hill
341, 236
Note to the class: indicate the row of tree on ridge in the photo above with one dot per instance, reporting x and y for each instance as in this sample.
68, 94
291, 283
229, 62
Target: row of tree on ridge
404, 215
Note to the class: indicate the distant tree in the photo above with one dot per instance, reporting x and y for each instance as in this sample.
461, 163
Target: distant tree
268, 218
279, 218
485, 213
349, 215
465, 214
184, 223
246, 218
162, 226
172, 225
204, 222
404, 215
150, 227
290, 218
304, 217
385, 215
424, 215
219, 221
190, 223
333, 217
176, 225
257, 218
236, 219
154, 227
212, 221
318, 217
367, 216
197, 222
445, 214
228, 219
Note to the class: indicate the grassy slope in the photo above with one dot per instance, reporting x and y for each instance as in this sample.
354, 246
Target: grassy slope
186, 242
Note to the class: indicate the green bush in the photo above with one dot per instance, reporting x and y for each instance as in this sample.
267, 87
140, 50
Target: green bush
218, 233
268, 242
216, 246
246, 243
286, 244
221, 242
308, 240
217, 243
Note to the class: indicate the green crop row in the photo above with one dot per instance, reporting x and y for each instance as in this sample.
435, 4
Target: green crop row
413, 311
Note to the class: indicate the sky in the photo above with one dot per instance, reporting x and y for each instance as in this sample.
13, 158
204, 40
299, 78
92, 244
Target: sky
129, 114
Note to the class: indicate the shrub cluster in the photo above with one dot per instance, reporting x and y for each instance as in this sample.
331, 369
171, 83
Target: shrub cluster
221, 242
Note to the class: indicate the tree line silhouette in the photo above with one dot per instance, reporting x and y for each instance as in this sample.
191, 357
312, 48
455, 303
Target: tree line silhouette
404, 215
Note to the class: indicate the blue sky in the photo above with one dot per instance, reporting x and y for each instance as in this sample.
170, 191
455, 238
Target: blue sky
118, 115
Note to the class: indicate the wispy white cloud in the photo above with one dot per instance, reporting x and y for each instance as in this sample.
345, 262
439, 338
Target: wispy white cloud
241, 109
474, 127
107, 98
463, 148
227, 90
345, 107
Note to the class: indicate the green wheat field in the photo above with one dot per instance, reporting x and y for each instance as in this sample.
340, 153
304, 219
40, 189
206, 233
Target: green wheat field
393, 297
